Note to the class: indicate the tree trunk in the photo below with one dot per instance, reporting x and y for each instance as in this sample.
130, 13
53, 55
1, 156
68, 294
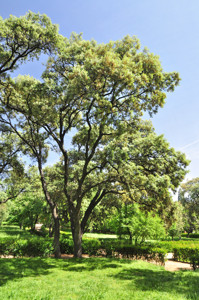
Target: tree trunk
54, 212
51, 230
130, 235
57, 250
77, 235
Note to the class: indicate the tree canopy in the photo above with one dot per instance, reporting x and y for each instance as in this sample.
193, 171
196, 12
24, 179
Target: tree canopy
25, 38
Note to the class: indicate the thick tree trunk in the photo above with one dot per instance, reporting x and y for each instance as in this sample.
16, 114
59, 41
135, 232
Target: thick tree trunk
77, 235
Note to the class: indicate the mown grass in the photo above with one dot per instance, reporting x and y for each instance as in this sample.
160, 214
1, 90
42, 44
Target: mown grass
93, 278
13, 231
91, 235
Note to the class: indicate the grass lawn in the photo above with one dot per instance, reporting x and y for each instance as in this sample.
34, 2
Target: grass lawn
13, 231
93, 278
92, 235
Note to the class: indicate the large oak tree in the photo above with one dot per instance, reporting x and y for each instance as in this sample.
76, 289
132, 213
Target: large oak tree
99, 92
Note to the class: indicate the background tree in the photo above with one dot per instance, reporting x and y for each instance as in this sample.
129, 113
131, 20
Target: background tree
177, 224
28, 207
189, 197
99, 92
137, 224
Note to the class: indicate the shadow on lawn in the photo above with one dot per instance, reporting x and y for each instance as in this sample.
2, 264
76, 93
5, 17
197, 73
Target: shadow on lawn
182, 282
89, 264
16, 268
154, 279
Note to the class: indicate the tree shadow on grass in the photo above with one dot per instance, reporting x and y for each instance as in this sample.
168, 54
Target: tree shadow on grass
16, 268
182, 282
90, 264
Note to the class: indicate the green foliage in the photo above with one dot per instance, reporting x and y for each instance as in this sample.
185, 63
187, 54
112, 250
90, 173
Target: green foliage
3, 213
66, 245
91, 246
115, 248
193, 235
18, 242
29, 206
25, 38
174, 231
187, 254
139, 224
34, 246
188, 196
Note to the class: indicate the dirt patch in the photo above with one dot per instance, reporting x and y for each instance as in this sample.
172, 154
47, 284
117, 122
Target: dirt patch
171, 265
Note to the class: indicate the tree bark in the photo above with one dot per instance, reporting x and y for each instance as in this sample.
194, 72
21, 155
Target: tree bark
130, 235
77, 235
56, 243
54, 213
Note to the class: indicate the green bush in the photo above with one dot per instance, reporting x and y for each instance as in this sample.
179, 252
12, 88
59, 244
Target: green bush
187, 254
91, 246
194, 235
139, 252
33, 246
191, 235
112, 248
66, 245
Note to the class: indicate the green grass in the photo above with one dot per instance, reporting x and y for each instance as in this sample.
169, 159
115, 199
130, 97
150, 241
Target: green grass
13, 231
90, 279
93, 278
91, 235
100, 235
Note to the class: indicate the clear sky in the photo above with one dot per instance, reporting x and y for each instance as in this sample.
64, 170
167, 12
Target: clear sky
168, 28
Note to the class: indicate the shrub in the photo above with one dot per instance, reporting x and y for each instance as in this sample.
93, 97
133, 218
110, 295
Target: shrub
33, 246
66, 245
194, 235
187, 254
91, 246
112, 248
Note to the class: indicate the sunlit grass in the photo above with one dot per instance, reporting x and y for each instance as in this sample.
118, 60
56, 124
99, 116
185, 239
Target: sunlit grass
93, 278
100, 235
13, 231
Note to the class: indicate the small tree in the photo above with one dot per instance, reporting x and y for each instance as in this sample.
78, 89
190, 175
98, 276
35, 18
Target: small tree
139, 225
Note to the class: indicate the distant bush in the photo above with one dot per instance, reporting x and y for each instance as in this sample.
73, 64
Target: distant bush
194, 235
191, 235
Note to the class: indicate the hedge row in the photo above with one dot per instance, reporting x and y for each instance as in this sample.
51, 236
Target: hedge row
171, 245
191, 235
187, 254
115, 249
33, 246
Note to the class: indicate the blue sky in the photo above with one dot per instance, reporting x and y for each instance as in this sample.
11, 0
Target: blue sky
169, 29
